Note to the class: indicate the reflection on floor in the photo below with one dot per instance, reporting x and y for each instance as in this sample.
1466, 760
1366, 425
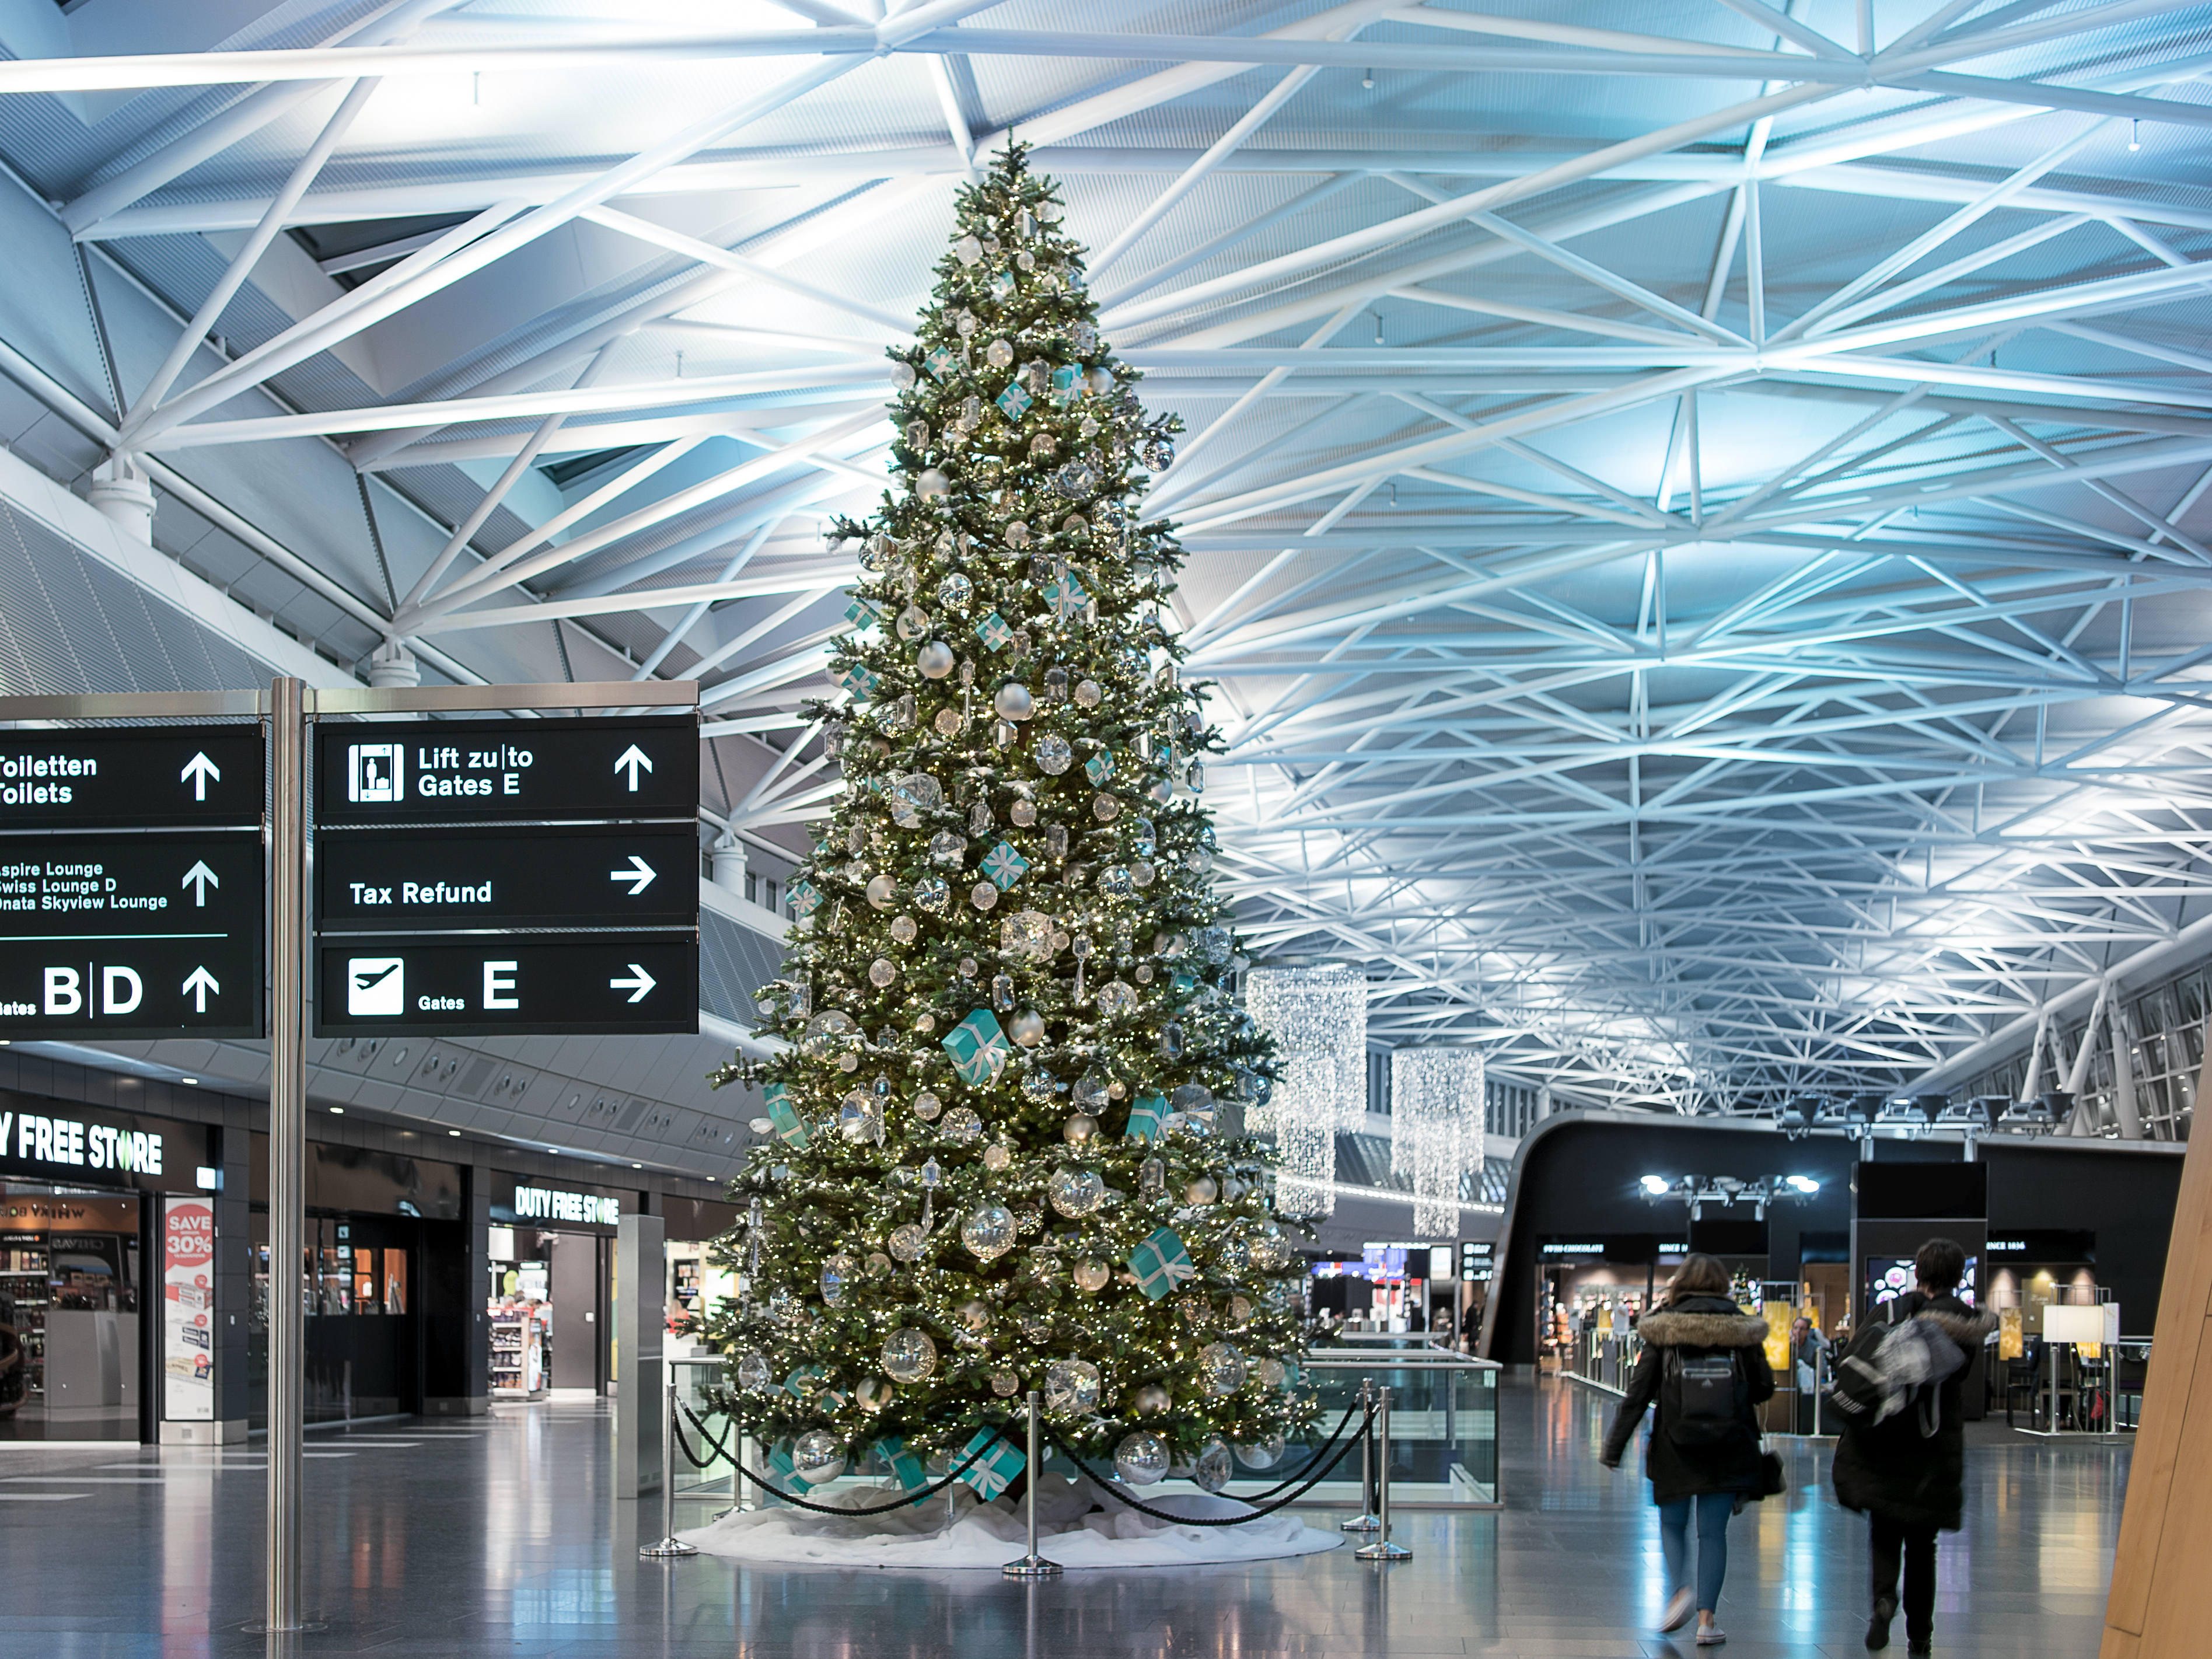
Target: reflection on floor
497, 1536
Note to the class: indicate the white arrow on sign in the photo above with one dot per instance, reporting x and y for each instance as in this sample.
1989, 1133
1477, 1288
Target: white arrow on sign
197, 770
199, 877
633, 758
640, 875
199, 988
642, 983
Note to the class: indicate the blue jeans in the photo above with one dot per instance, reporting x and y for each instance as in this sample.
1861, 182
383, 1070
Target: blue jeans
1714, 1508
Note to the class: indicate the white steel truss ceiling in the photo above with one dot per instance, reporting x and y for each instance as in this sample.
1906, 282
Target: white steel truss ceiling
1694, 506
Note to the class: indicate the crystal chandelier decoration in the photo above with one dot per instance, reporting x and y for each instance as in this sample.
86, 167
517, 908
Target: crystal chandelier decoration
1435, 1129
1318, 1018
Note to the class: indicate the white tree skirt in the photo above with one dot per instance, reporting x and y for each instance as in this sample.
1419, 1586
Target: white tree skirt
986, 1536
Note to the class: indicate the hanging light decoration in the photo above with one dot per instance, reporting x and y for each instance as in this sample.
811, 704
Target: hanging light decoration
1435, 1129
1318, 1018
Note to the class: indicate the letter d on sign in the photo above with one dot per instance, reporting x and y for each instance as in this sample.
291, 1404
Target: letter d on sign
63, 996
499, 978
119, 990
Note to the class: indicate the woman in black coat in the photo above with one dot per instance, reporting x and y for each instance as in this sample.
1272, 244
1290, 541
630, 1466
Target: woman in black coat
1705, 1365
1907, 1473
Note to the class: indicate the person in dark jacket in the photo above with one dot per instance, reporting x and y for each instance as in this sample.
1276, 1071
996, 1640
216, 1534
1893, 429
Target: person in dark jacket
1704, 1466
1907, 1473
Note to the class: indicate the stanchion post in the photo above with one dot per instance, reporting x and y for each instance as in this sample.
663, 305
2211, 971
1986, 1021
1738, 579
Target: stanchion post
1032, 1565
1365, 1521
670, 1544
1382, 1549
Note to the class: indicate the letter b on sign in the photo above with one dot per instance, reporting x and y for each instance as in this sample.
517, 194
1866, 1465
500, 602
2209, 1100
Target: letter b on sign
62, 994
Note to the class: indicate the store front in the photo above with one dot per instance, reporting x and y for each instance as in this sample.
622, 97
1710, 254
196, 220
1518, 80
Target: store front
85, 1193
1393, 1287
550, 1297
375, 1220
697, 1282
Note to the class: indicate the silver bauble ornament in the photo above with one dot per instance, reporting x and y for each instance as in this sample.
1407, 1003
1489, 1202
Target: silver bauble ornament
1213, 1469
1141, 1459
935, 660
988, 1231
1071, 1387
1151, 1400
1012, 702
931, 482
1027, 1028
1221, 1368
1076, 1193
1265, 1455
817, 1457
908, 1355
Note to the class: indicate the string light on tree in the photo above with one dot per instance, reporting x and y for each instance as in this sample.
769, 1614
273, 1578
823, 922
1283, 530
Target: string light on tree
1001, 1158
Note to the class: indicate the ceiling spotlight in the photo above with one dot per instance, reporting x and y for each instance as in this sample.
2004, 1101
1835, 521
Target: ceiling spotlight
337, 1111
2134, 133
1655, 1185
1367, 80
452, 1132
1804, 1184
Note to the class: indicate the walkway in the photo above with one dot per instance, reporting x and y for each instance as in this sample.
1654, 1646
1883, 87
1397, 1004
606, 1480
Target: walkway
497, 1538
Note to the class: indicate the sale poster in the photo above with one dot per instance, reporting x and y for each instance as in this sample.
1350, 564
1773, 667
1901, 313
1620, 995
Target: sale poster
187, 1309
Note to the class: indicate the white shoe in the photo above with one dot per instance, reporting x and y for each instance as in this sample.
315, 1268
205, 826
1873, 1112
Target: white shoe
1680, 1605
1710, 1636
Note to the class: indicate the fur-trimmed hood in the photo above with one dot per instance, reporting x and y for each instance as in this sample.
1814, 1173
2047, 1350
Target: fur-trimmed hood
1969, 1328
1703, 1322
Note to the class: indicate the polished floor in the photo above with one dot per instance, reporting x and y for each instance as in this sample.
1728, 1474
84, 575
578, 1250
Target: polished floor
497, 1537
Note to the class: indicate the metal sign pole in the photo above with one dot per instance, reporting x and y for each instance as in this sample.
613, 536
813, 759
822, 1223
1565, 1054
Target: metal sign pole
287, 1134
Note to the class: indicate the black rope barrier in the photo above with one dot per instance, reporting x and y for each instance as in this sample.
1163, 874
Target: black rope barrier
766, 1485
1288, 1482
1111, 1487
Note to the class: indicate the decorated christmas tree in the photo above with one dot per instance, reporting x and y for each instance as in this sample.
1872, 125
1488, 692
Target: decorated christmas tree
1009, 1150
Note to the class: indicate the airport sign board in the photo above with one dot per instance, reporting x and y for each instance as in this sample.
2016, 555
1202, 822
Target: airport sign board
399, 772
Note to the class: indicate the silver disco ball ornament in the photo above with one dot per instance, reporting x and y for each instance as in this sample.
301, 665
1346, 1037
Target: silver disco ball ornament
1265, 1455
753, 1372
910, 1356
817, 1457
1141, 1459
1071, 1387
1213, 1470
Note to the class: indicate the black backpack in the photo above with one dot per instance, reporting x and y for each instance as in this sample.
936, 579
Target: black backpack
1705, 1388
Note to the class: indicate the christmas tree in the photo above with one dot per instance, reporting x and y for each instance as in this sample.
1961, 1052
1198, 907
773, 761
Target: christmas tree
1009, 1150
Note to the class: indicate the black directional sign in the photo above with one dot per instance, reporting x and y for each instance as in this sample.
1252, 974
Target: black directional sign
122, 936
141, 776
515, 985
457, 771
637, 876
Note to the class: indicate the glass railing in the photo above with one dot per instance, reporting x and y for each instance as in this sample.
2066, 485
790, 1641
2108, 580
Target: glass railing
1444, 1423
1443, 1428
